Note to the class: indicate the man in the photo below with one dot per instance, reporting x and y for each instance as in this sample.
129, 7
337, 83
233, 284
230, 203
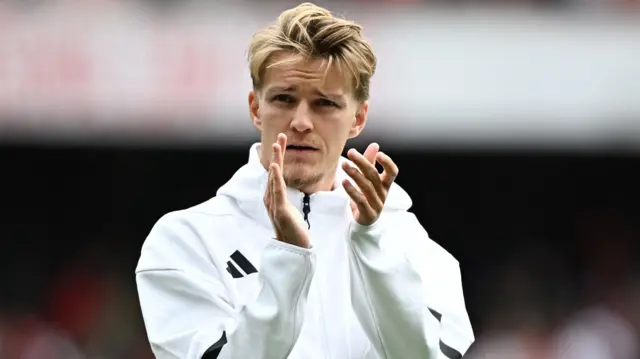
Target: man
303, 254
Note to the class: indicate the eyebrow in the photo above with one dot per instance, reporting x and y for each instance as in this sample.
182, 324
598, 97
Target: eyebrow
281, 89
335, 97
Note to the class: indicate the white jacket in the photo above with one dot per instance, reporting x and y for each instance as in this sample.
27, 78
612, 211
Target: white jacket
213, 283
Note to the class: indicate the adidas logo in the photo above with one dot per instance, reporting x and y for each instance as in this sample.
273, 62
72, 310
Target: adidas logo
239, 260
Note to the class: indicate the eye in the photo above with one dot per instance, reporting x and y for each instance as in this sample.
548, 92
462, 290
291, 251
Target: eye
323, 102
284, 98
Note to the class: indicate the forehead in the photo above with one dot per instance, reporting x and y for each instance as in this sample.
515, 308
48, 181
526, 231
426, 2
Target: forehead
315, 74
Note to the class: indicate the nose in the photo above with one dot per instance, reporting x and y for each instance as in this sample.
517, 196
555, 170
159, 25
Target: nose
302, 118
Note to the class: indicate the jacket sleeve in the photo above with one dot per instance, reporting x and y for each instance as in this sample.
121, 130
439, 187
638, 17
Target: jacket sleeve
388, 294
189, 314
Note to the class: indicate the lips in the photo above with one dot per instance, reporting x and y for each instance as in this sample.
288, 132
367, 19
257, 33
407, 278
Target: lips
301, 147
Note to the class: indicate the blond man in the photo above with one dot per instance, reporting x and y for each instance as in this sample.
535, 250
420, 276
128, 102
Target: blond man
303, 253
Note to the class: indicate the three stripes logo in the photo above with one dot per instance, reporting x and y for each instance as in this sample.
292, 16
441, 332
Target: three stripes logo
239, 260
448, 351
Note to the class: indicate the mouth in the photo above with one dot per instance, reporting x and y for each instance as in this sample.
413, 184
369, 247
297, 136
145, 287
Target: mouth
301, 148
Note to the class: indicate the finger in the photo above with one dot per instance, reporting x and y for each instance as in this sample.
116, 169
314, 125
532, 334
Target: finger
267, 192
279, 188
390, 172
371, 152
277, 154
274, 153
359, 199
272, 195
268, 195
282, 141
373, 197
268, 200
365, 166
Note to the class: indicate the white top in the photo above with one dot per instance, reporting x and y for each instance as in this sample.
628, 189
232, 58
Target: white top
213, 283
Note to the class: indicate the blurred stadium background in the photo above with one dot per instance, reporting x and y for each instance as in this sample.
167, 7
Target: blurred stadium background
516, 124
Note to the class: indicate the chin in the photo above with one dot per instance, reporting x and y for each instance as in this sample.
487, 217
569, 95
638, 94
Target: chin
302, 175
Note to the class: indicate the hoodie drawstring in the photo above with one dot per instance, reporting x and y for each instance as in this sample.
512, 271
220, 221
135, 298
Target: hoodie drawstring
306, 208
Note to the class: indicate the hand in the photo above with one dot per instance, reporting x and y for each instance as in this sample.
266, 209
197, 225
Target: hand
367, 199
287, 220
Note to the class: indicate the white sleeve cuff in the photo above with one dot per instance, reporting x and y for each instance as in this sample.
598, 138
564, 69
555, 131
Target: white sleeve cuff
374, 229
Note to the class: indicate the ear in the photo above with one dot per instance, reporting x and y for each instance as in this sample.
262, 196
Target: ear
359, 120
254, 110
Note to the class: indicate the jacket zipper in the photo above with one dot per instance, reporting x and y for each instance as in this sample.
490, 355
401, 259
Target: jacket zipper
306, 208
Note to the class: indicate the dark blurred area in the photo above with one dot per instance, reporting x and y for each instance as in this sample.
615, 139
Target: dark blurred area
517, 135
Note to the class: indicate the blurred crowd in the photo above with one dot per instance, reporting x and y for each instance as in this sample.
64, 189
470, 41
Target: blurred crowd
85, 307
544, 312
621, 4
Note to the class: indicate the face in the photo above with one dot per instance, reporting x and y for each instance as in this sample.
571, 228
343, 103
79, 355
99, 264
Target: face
316, 108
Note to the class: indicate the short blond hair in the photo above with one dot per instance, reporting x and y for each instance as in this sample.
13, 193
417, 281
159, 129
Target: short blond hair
312, 32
